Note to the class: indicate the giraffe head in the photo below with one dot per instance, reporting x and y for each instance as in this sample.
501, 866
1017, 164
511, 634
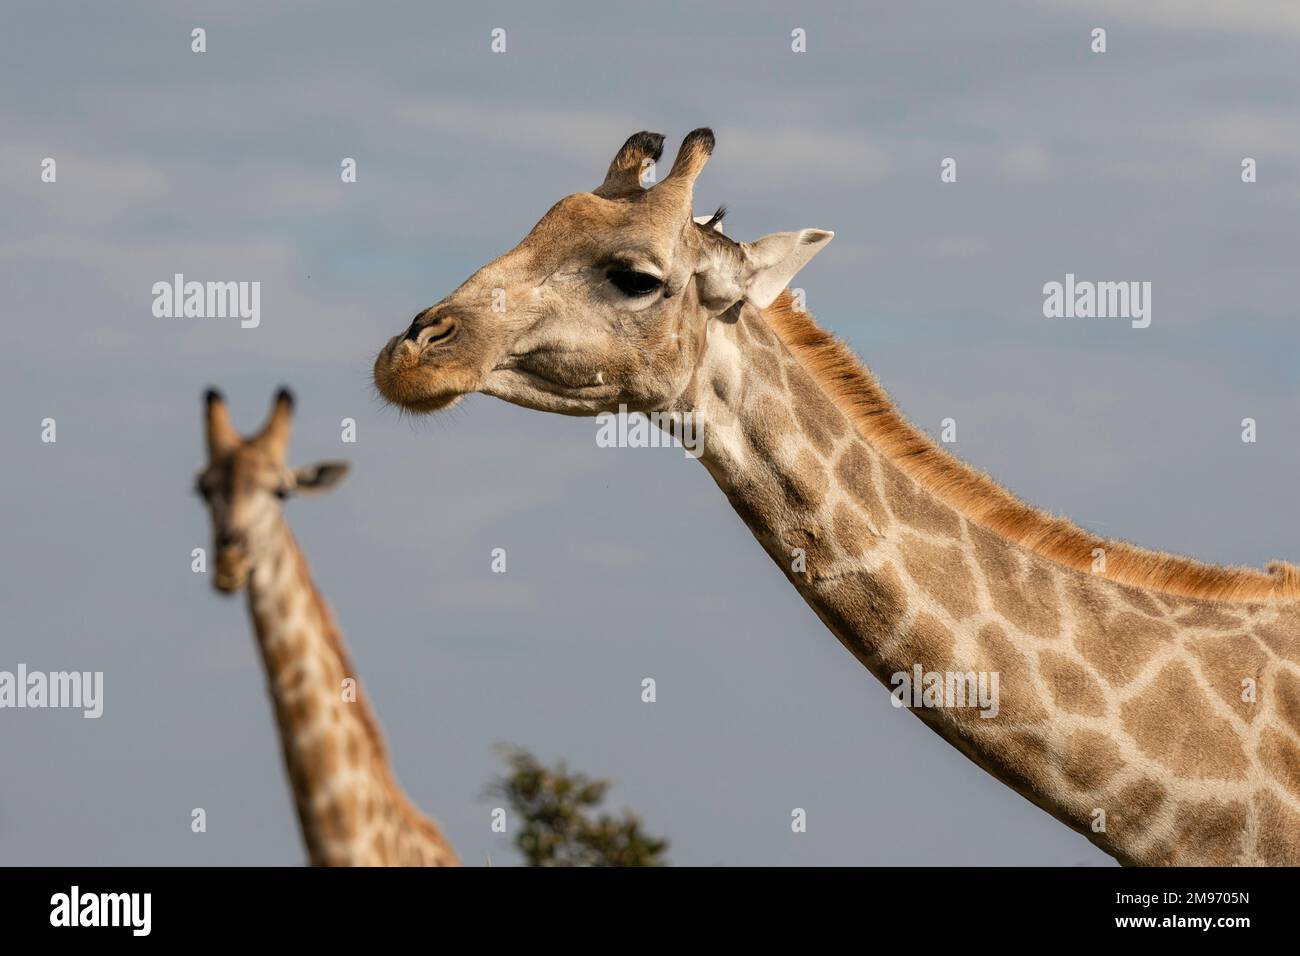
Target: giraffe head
604, 303
245, 483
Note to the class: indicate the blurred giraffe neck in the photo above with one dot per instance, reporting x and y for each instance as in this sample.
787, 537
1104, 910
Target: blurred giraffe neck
351, 810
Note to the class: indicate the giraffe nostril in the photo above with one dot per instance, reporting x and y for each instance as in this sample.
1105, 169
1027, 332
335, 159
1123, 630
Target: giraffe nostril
230, 539
438, 330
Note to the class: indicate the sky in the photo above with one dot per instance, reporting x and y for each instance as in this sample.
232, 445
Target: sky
622, 563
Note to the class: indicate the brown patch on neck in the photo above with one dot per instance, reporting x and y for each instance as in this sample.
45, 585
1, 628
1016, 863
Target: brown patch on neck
855, 391
423, 827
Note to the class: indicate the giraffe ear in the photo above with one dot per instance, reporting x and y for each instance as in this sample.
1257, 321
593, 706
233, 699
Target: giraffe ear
322, 476
771, 262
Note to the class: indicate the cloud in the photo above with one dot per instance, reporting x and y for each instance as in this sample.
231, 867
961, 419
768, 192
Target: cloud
1267, 17
1236, 135
1025, 161
782, 154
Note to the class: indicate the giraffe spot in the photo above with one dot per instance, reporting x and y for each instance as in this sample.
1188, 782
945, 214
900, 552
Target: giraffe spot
1139, 600
1171, 602
412, 855
1277, 838
809, 396
1205, 614
862, 609
1073, 689
306, 708
942, 573
790, 371
1023, 592
1118, 648
1173, 723
755, 519
766, 365
284, 606
319, 760
1282, 640
1207, 833
854, 473
281, 652
759, 331
333, 671
806, 481
1032, 606
1281, 758
294, 677
1225, 663
723, 387
1286, 699
354, 748
1134, 809
342, 813
1019, 759
819, 555
820, 420
927, 642
761, 494
767, 423
1090, 759
1017, 691
851, 532
915, 506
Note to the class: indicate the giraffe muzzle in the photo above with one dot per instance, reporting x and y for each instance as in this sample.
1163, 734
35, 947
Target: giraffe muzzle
232, 570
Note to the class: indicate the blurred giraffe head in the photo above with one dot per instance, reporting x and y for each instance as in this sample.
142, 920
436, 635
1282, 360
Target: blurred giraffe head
604, 303
245, 483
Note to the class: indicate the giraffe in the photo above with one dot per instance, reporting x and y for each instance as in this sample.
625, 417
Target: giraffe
351, 810
1148, 701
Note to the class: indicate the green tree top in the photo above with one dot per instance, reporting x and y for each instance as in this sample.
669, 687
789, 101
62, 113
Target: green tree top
556, 821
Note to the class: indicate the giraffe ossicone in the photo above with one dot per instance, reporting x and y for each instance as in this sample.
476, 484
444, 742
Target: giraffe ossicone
1122, 709
351, 810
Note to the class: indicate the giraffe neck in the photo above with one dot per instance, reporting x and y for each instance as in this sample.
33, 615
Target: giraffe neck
1117, 711
350, 808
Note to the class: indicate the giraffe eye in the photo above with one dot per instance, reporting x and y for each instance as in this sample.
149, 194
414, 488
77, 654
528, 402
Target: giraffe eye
633, 283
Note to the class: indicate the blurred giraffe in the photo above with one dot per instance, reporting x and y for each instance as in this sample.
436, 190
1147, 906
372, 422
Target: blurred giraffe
351, 810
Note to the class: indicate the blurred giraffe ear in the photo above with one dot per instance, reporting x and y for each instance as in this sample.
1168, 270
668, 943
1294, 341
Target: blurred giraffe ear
771, 262
320, 477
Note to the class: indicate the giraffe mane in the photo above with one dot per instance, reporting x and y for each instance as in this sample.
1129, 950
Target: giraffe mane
855, 391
